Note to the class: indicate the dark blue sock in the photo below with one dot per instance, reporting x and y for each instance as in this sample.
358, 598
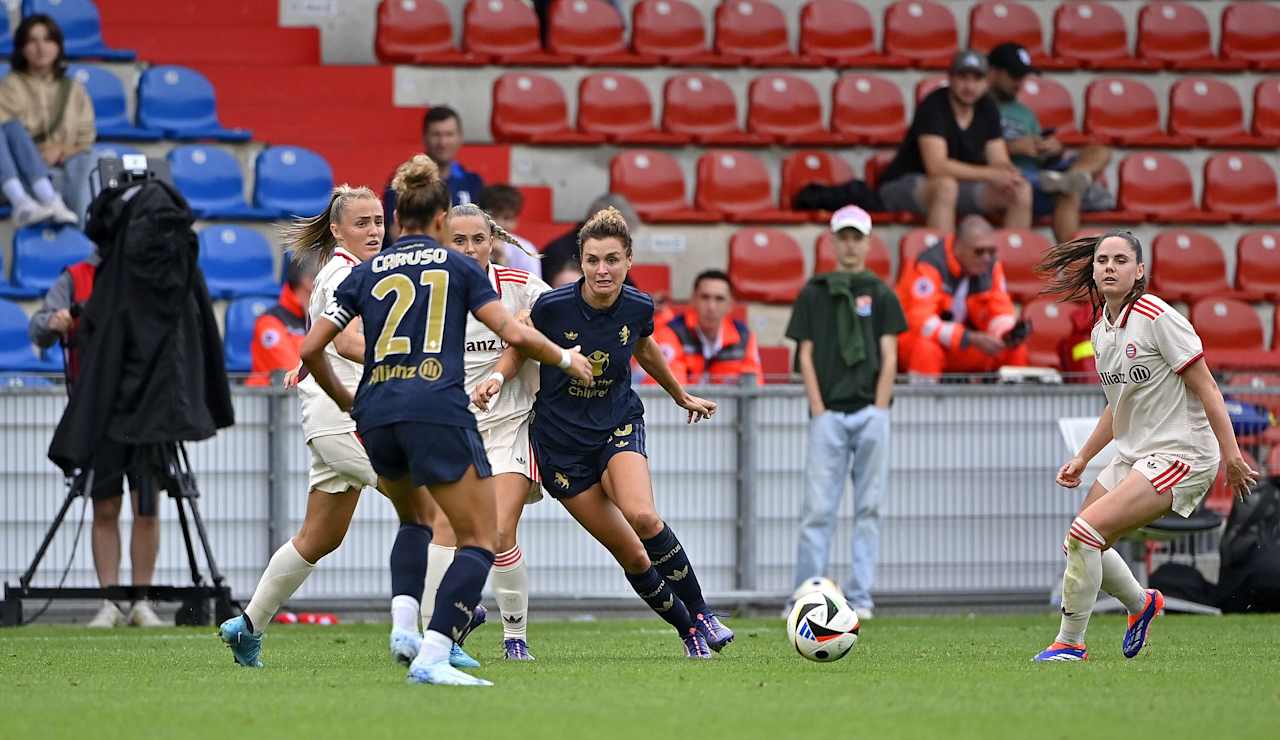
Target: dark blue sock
460, 591
409, 560
670, 559
657, 593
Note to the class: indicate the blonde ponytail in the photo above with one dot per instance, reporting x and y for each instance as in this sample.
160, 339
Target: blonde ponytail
312, 238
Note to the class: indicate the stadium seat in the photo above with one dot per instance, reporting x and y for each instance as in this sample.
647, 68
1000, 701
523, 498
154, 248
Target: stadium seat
756, 32
922, 31
1241, 185
1123, 112
292, 181
530, 108
418, 32
1258, 266
113, 150
1266, 108
926, 85
841, 33
591, 32
1050, 324
237, 339
654, 183
180, 102
652, 279
868, 109
1095, 35
508, 32
40, 253
1251, 34
6, 38
766, 266
775, 364
617, 107
1227, 324
1187, 265
876, 164
209, 178
1053, 107
673, 30
786, 108
81, 28
17, 353
110, 112
1177, 35
737, 184
236, 262
803, 168
824, 256
1019, 253
1209, 110
914, 242
1158, 186
993, 23
704, 108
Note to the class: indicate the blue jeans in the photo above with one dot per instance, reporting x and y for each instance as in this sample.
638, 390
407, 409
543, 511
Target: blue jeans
834, 438
19, 156
71, 179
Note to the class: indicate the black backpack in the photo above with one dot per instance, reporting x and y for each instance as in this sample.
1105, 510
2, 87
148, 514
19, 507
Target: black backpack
1250, 548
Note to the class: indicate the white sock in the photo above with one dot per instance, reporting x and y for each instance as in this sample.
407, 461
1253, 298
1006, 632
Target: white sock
511, 589
1118, 581
43, 190
1081, 581
439, 558
404, 613
435, 647
284, 575
16, 194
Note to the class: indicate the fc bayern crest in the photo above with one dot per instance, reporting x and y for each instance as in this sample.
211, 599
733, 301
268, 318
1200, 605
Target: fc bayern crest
1130, 350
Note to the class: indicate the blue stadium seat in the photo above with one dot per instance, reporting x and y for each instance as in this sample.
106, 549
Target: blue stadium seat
236, 262
40, 253
181, 103
17, 354
238, 334
292, 180
209, 178
81, 28
6, 38
22, 380
110, 113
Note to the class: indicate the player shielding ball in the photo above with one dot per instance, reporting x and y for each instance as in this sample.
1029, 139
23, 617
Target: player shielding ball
1166, 415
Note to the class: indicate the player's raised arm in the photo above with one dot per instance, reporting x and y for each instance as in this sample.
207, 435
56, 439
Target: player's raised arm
532, 343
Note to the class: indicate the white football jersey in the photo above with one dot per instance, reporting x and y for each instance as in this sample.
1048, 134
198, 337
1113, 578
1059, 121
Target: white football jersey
1139, 359
517, 290
320, 415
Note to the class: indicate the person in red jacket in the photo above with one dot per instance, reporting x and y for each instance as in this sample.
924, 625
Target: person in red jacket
705, 344
960, 317
278, 332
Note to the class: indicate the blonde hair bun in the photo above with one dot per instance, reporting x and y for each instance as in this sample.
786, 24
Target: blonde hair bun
419, 172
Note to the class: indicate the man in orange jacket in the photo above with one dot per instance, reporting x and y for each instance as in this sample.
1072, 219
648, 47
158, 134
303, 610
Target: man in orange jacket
278, 332
704, 344
960, 317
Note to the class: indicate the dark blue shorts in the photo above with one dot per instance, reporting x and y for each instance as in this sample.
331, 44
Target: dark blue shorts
428, 453
566, 473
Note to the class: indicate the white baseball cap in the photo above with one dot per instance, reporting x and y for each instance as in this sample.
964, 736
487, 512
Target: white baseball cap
851, 217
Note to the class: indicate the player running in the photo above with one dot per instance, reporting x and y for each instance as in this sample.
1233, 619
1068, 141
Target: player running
589, 439
1164, 411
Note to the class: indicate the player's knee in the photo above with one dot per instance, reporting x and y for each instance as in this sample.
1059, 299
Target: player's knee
941, 190
646, 523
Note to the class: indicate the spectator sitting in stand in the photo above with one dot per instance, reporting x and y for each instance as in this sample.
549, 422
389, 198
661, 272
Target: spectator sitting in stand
705, 344
441, 140
278, 332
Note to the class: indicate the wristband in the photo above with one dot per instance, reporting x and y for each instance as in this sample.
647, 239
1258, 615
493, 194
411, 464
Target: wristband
566, 359
495, 375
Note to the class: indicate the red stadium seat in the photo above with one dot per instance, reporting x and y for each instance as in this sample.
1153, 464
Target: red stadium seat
775, 364
1266, 108
1258, 267
531, 108
841, 33
1054, 108
617, 107
926, 85
766, 266
786, 108
1251, 33
737, 184
1273, 461
868, 109
1177, 35
1227, 324
506, 30
1096, 35
993, 23
654, 184
1020, 252
704, 108
1241, 185
756, 31
922, 31
803, 168
1186, 265
591, 32
1158, 186
417, 32
876, 164
1209, 110
824, 256
652, 279
673, 30
1050, 324
914, 242
1124, 112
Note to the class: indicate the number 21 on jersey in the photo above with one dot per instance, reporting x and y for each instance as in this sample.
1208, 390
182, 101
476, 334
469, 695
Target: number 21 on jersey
437, 283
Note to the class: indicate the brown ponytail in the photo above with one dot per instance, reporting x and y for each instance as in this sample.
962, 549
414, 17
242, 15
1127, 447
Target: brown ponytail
420, 194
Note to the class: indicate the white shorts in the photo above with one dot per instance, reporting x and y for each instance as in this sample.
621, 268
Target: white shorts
509, 451
339, 462
1188, 483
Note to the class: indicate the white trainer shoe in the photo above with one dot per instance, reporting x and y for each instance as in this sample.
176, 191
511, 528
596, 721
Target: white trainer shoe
31, 213
109, 615
59, 212
142, 615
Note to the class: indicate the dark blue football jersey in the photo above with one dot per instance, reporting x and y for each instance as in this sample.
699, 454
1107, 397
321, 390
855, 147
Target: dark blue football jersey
567, 413
414, 300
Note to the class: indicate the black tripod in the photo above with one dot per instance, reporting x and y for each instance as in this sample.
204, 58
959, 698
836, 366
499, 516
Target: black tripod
166, 466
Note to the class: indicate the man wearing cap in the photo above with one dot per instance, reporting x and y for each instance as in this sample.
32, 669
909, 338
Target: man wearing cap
953, 160
846, 325
1058, 178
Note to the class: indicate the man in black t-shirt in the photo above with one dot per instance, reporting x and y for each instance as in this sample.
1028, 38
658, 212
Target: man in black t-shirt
953, 160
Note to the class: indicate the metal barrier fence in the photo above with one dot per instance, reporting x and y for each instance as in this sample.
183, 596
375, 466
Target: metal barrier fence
971, 507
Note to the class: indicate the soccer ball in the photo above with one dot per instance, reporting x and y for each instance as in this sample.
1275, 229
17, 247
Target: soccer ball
816, 584
822, 627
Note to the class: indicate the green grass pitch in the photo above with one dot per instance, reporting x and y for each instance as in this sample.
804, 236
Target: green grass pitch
911, 677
